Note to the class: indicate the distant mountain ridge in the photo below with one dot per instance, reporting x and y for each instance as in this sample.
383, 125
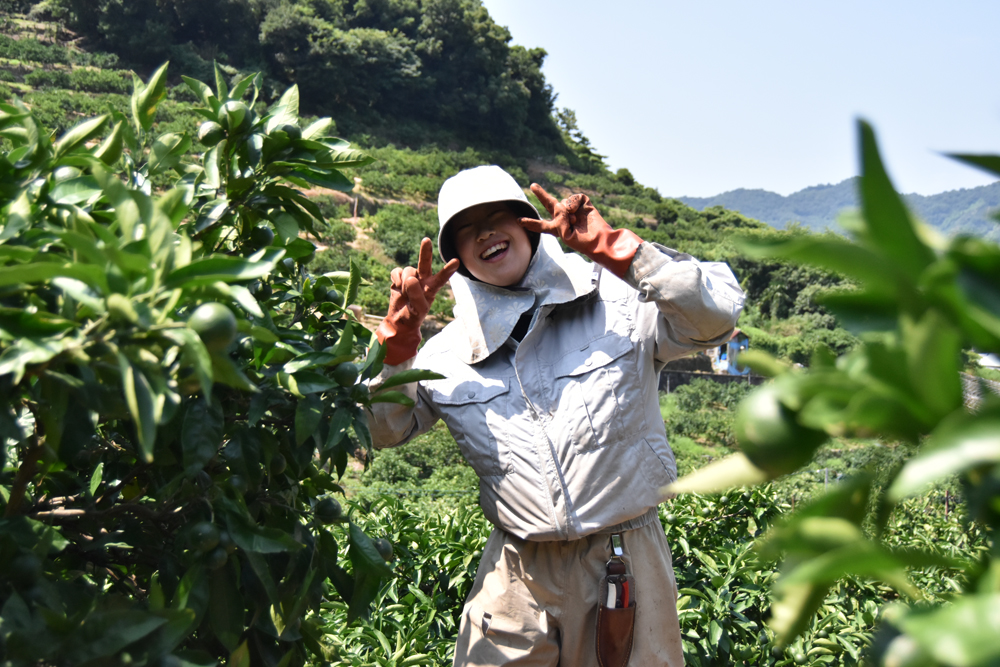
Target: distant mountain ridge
965, 211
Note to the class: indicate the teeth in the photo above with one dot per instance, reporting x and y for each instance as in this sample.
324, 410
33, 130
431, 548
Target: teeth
492, 250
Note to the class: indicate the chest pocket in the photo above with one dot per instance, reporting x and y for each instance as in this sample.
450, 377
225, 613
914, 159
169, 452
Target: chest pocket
477, 414
586, 385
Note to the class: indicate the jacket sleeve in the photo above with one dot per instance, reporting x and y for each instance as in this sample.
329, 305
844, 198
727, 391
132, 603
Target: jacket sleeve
697, 303
392, 424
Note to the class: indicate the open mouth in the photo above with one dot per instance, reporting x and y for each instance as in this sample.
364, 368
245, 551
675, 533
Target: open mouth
495, 251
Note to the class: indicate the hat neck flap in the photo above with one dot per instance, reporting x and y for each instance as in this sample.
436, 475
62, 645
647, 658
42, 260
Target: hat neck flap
488, 313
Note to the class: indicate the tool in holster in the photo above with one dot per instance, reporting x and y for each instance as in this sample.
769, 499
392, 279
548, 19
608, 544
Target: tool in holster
616, 612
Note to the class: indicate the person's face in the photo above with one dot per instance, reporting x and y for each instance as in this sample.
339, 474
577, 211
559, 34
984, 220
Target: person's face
491, 243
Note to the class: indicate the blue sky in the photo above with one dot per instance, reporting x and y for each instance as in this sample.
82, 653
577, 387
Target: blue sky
697, 98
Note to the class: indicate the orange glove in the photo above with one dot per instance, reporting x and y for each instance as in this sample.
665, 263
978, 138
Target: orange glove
410, 297
577, 222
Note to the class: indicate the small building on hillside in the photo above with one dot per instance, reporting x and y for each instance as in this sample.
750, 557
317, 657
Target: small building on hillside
725, 358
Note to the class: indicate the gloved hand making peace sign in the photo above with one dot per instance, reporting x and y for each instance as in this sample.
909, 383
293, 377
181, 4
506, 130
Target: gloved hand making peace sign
410, 296
581, 227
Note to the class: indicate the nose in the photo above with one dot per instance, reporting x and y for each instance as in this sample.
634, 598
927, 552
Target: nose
485, 231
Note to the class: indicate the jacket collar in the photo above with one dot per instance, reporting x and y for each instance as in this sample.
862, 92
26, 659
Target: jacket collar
485, 315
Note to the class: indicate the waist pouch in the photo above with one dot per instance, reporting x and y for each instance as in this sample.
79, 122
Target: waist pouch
615, 611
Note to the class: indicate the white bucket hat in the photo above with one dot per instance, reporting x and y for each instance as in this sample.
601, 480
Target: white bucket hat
479, 185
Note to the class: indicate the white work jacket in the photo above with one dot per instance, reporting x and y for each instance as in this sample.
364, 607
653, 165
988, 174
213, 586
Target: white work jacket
564, 429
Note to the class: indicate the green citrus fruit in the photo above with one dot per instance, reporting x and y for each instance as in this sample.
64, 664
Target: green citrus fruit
770, 436
293, 131
204, 536
328, 510
216, 558
210, 133
333, 296
671, 519
235, 116
800, 658
261, 237
226, 542
215, 324
278, 464
705, 511
346, 374
384, 549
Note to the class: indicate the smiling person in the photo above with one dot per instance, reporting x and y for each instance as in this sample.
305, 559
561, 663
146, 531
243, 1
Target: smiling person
551, 370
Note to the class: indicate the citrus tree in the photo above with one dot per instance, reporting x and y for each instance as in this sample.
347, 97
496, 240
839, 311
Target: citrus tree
921, 300
177, 392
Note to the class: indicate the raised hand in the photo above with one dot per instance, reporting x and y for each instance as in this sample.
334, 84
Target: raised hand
411, 293
577, 222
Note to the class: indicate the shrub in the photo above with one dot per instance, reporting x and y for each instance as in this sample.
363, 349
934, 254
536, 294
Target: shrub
47, 78
100, 81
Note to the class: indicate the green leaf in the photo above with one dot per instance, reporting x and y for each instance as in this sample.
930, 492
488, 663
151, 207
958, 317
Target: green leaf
79, 134
75, 190
210, 162
108, 632
339, 423
242, 86
310, 382
988, 163
201, 435
221, 89
963, 633
95, 478
110, 150
212, 269
889, 225
201, 90
253, 538
960, 443
143, 405
793, 609
933, 349
317, 129
26, 352
354, 284
347, 157
167, 151
762, 362
324, 178
365, 557
240, 657
93, 276
313, 359
196, 354
226, 607
308, 414
408, 376
719, 475
145, 101
393, 397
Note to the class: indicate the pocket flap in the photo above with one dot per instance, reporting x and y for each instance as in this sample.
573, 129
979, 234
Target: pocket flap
460, 392
597, 353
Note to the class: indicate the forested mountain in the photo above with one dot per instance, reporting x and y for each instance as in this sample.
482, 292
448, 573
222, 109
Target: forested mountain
965, 211
375, 65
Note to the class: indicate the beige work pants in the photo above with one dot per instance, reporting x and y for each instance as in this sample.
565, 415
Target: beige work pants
535, 603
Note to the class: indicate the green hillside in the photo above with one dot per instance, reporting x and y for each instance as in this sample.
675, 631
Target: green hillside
967, 211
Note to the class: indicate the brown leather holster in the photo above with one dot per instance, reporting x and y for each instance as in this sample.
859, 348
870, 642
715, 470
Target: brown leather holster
615, 626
